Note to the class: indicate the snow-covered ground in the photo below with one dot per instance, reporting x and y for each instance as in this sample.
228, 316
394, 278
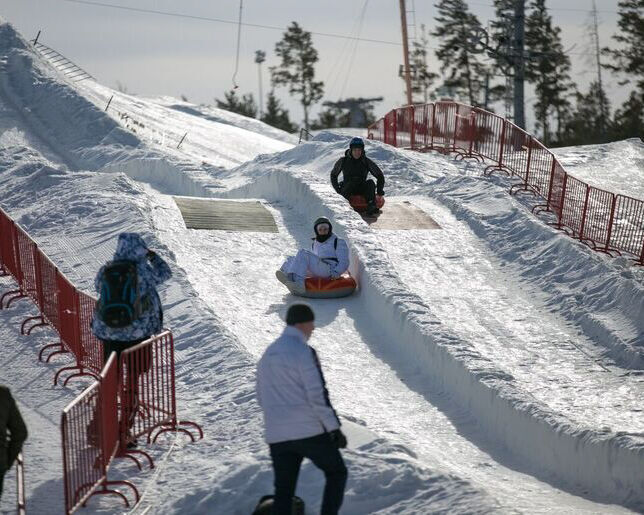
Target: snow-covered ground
616, 167
493, 365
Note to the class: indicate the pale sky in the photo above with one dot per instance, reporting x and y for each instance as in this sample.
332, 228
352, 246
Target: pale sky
153, 54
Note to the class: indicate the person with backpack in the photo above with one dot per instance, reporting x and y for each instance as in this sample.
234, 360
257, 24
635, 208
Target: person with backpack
356, 167
328, 257
299, 420
10, 421
128, 310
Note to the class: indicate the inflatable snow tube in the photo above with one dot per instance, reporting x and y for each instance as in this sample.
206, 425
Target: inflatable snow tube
324, 288
359, 203
320, 287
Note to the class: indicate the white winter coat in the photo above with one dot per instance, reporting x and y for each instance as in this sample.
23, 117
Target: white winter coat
336, 255
291, 390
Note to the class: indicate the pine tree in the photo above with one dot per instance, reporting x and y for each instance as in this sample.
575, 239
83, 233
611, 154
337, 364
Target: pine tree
296, 70
275, 115
501, 51
465, 74
422, 78
245, 106
628, 121
548, 69
330, 118
629, 59
586, 125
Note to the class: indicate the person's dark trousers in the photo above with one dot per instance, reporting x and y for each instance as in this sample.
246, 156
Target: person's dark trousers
287, 458
359, 187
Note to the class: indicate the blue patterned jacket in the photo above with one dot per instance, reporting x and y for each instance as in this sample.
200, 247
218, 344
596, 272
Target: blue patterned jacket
151, 272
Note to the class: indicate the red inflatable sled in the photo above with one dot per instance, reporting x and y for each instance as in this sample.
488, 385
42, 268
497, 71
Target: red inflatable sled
359, 203
321, 288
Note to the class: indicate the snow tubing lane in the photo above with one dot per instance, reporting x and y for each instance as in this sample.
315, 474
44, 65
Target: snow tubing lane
359, 202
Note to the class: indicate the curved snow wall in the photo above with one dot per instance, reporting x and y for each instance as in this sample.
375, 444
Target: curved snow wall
604, 466
606, 222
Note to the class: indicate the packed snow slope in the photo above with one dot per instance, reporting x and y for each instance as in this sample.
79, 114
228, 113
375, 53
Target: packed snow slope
616, 167
490, 366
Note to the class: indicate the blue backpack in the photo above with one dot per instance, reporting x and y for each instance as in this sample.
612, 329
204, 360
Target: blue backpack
120, 302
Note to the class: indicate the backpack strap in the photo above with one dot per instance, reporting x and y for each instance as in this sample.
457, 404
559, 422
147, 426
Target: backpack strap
335, 244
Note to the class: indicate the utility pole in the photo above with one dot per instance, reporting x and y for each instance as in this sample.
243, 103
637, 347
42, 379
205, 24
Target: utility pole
602, 107
406, 71
519, 62
260, 57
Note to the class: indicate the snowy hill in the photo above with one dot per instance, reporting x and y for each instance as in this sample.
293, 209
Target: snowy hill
616, 167
493, 365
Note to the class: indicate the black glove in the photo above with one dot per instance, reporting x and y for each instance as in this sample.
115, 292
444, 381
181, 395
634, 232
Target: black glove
150, 254
338, 439
381, 193
339, 188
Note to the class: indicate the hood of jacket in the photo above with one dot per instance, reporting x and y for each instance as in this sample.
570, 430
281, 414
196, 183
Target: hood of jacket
130, 246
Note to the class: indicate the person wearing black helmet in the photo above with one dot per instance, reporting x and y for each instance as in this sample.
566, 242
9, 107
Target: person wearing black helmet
355, 167
328, 257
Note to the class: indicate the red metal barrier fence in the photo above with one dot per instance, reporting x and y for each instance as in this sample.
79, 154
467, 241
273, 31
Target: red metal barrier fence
89, 430
95, 427
605, 221
148, 400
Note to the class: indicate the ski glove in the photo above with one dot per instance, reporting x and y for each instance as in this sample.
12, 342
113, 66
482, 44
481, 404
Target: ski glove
381, 193
338, 439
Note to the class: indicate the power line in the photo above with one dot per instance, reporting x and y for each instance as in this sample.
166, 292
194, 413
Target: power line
260, 26
220, 20
555, 8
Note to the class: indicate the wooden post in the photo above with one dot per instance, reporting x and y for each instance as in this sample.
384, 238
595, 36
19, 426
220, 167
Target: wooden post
403, 22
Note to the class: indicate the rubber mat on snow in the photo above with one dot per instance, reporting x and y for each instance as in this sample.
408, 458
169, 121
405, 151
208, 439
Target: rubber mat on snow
397, 216
225, 215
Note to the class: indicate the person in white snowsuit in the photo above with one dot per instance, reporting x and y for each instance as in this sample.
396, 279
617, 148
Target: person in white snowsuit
328, 257
299, 420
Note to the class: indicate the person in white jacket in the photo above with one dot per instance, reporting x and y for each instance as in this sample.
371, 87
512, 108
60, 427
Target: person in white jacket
328, 257
299, 420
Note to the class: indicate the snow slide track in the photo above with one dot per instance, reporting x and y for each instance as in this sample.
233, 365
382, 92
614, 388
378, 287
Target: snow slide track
602, 466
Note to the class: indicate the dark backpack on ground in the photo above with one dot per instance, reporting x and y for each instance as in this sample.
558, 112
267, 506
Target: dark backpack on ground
265, 506
120, 302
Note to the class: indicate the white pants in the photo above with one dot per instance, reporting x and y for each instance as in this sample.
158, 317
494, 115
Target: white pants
307, 264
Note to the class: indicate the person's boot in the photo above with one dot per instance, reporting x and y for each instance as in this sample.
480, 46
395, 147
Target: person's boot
372, 209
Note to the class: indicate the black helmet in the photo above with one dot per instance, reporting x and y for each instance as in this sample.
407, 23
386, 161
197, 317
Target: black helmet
356, 143
322, 220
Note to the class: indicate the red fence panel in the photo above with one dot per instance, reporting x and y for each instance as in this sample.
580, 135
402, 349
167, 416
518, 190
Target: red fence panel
83, 464
27, 252
443, 126
516, 144
488, 134
89, 431
464, 129
390, 128
600, 208
422, 119
68, 315
49, 300
7, 252
628, 226
540, 170
147, 387
404, 126
574, 205
92, 347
